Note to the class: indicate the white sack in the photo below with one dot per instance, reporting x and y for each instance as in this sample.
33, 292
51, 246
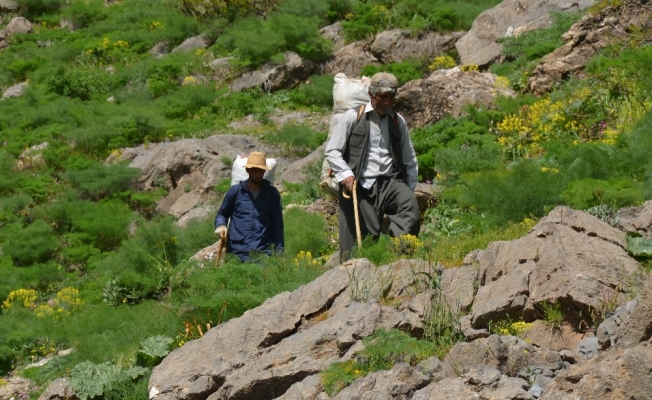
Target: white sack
239, 172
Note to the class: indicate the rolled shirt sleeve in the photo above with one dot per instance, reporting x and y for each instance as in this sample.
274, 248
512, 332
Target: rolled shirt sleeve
337, 145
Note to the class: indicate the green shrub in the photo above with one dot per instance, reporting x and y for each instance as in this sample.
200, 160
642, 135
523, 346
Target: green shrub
382, 351
456, 145
404, 71
90, 380
306, 8
317, 91
301, 35
255, 41
153, 349
100, 181
80, 82
298, 140
21, 68
83, 13
7, 356
242, 286
134, 127
587, 193
29, 245
32, 9
307, 192
187, 102
105, 221
510, 195
8, 181
304, 231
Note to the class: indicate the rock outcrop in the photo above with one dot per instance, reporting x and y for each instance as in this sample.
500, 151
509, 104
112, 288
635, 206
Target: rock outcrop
480, 45
189, 169
447, 92
570, 258
399, 45
271, 76
16, 25
585, 39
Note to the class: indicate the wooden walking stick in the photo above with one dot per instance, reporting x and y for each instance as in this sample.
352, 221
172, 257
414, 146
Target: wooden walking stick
358, 232
220, 247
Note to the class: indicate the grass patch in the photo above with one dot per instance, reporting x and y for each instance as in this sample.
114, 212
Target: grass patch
382, 350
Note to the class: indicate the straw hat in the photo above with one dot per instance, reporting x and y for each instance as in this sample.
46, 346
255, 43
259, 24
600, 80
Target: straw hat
258, 160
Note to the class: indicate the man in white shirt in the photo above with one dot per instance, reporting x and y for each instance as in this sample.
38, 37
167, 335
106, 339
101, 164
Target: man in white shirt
373, 147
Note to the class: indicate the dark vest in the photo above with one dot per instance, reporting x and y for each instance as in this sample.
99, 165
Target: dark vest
357, 148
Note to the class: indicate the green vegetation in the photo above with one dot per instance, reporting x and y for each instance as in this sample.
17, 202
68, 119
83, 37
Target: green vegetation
382, 350
86, 259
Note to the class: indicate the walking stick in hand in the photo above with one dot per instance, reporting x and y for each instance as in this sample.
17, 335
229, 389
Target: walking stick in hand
356, 215
220, 247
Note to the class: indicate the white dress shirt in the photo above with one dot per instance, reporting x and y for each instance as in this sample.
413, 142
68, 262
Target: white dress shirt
379, 161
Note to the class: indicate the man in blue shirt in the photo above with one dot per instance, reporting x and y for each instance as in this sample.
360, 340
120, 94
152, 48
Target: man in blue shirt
254, 208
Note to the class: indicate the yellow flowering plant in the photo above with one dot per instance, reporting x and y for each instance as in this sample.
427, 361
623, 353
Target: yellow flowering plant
442, 62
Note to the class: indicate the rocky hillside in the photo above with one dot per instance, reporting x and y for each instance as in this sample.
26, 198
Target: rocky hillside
571, 259
572, 304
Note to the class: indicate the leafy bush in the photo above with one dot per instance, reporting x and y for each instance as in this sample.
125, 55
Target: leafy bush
153, 349
29, 245
511, 195
298, 237
187, 102
242, 286
83, 13
454, 146
32, 9
588, 193
100, 180
105, 222
298, 140
316, 92
90, 380
404, 71
79, 82
255, 41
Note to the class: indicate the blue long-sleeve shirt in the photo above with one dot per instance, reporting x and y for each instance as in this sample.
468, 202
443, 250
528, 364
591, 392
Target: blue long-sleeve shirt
256, 224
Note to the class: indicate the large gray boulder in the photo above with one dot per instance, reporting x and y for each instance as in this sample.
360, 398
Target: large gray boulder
59, 389
350, 60
616, 374
637, 327
189, 169
569, 258
16, 90
8, 5
447, 92
16, 25
636, 219
480, 382
272, 76
291, 336
510, 18
333, 33
399, 45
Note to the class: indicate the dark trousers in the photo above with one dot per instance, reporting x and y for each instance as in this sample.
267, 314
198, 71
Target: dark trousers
387, 196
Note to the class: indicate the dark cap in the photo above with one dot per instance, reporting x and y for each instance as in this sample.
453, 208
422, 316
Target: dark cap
384, 81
